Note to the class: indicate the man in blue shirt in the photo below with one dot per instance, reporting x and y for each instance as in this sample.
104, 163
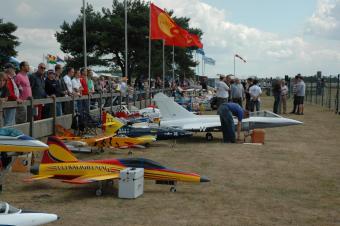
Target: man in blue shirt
238, 112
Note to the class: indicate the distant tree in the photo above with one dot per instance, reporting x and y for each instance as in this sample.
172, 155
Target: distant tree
8, 41
106, 43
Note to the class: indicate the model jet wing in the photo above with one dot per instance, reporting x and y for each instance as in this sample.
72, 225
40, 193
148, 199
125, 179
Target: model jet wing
201, 126
92, 178
38, 177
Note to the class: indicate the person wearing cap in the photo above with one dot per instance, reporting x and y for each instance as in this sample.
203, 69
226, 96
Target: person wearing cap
37, 81
52, 89
9, 113
24, 86
222, 91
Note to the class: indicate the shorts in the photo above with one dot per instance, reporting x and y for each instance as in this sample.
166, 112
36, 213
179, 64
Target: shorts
299, 99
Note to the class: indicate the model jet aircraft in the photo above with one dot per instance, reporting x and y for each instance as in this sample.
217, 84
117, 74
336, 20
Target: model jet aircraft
10, 215
14, 143
114, 125
59, 163
174, 115
110, 140
12, 140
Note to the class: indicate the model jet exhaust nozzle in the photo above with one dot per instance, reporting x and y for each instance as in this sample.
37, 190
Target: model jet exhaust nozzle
204, 179
35, 169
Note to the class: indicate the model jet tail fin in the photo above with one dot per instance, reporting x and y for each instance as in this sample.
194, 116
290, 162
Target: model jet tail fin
61, 131
58, 152
170, 109
111, 124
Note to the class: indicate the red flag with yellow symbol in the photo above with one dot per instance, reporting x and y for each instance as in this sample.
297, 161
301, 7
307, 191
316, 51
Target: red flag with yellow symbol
163, 27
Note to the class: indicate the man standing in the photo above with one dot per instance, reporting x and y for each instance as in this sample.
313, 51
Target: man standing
123, 87
300, 94
9, 113
222, 91
37, 81
255, 93
77, 90
277, 95
24, 86
247, 87
294, 94
85, 91
62, 89
237, 92
68, 82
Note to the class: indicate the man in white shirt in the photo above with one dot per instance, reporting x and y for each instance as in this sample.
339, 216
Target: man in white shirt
222, 91
68, 80
77, 90
255, 93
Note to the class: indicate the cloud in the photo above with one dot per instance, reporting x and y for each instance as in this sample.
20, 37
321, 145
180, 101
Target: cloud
325, 21
266, 53
35, 43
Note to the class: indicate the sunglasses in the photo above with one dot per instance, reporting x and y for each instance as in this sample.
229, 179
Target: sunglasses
42, 67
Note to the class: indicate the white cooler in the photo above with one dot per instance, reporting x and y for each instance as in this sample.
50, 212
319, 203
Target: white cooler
131, 183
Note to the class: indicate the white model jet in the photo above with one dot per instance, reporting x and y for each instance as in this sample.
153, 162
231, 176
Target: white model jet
10, 215
174, 115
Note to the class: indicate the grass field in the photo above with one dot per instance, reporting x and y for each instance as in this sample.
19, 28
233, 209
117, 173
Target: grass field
294, 179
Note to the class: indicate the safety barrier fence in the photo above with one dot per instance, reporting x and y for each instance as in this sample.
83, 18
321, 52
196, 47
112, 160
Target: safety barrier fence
325, 92
100, 101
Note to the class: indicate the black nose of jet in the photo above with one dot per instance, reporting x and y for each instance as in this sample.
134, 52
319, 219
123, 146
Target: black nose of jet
204, 179
35, 169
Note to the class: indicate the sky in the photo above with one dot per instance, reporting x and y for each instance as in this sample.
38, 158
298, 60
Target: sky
275, 37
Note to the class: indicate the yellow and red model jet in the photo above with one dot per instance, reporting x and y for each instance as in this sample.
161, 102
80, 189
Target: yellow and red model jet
59, 163
105, 140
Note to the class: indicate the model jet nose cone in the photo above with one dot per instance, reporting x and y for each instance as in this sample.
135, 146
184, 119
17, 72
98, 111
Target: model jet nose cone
204, 179
35, 169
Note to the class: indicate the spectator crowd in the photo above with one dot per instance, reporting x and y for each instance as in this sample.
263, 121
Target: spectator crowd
58, 82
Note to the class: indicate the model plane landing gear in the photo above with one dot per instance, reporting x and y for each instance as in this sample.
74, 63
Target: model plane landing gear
99, 191
173, 189
130, 152
209, 137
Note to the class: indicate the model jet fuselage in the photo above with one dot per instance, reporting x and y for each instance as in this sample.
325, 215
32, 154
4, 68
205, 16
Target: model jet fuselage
10, 215
161, 133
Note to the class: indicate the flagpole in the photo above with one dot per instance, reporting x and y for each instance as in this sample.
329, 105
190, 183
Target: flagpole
234, 66
196, 73
149, 72
126, 41
163, 65
202, 65
84, 34
173, 63
198, 66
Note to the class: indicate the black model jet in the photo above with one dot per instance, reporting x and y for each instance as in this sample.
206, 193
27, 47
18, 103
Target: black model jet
161, 133
113, 125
